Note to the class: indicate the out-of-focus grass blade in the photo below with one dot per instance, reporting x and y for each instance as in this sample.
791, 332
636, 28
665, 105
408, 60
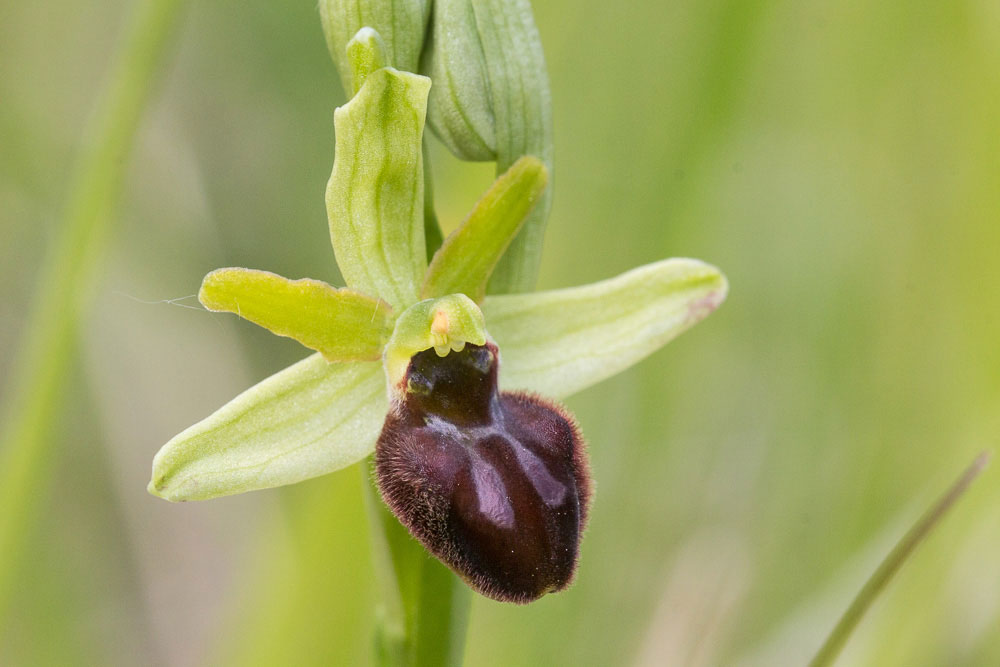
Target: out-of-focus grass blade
35, 391
834, 644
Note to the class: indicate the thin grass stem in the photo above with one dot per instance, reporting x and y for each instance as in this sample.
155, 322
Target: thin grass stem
877, 583
27, 443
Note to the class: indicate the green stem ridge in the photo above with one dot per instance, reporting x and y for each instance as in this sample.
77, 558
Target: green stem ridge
888, 568
26, 442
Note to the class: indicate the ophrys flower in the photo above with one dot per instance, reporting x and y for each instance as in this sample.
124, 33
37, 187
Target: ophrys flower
416, 357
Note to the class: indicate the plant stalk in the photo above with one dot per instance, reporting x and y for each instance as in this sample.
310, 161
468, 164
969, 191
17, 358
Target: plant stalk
425, 607
27, 442
425, 610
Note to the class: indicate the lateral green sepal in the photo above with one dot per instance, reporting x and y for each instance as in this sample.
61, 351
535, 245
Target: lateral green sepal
562, 341
342, 324
310, 419
469, 254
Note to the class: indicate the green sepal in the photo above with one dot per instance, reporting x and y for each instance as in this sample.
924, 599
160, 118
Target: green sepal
562, 341
342, 324
375, 197
310, 419
402, 25
445, 324
467, 258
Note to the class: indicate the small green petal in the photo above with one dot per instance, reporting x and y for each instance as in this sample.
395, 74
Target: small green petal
375, 198
466, 260
342, 324
559, 342
310, 419
445, 324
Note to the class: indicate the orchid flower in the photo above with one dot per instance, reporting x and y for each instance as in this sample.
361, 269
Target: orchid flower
416, 362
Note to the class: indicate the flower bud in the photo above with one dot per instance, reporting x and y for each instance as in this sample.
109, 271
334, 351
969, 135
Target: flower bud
460, 108
402, 24
490, 99
494, 484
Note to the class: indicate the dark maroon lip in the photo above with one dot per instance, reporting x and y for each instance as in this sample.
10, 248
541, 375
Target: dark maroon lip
494, 484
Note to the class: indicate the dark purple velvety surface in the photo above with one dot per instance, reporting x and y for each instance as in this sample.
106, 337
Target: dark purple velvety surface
495, 484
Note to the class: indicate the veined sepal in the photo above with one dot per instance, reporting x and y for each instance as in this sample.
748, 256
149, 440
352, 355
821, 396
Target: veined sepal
562, 341
309, 419
375, 197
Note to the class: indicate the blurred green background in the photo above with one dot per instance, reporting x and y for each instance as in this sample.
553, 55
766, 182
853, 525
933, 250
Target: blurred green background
839, 160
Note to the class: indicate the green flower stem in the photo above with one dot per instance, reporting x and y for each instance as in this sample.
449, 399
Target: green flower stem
888, 568
425, 610
27, 445
442, 615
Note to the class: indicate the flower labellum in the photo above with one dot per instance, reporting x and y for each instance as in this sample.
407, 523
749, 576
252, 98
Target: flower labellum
494, 484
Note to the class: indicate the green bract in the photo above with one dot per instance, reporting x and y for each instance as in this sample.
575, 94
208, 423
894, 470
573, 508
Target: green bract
491, 102
325, 412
